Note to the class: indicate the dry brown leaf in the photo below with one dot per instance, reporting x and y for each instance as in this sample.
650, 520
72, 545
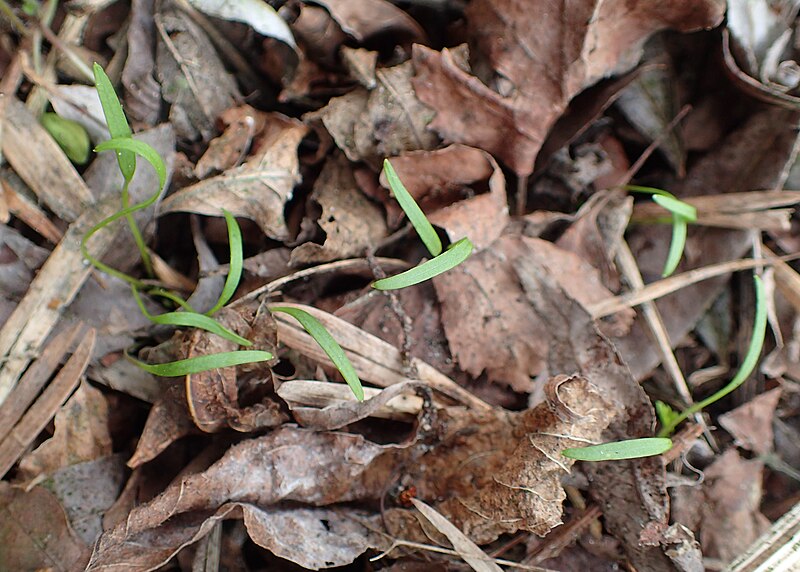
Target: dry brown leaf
81, 434
730, 514
383, 122
19, 259
547, 56
257, 190
35, 534
350, 221
489, 323
366, 19
751, 423
229, 149
192, 76
142, 91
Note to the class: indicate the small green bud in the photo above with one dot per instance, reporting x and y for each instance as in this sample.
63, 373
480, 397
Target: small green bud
70, 136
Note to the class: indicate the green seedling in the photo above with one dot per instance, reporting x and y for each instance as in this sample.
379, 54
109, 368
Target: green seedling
441, 262
669, 418
682, 214
203, 363
70, 136
329, 345
619, 450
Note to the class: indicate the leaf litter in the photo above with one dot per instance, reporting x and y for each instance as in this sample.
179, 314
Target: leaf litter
282, 113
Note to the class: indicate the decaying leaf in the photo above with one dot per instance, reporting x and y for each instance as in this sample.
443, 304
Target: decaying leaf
351, 223
193, 79
258, 15
551, 54
751, 423
257, 190
366, 19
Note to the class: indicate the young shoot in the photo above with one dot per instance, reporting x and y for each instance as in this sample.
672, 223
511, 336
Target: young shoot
682, 214
203, 363
619, 450
441, 262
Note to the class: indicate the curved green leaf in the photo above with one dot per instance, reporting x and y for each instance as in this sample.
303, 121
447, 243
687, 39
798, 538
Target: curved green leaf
450, 258
140, 148
619, 450
115, 118
676, 206
236, 263
418, 219
747, 367
329, 345
676, 245
203, 363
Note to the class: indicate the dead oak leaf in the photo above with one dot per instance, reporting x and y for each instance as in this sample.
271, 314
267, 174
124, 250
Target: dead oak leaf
257, 190
490, 324
541, 57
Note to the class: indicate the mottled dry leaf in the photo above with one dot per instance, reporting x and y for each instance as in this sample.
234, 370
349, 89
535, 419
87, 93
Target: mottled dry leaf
213, 395
730, 514
142, 91
366, 19
81, 434
542, 57
751, 423
193, 78
230, 148
34, 532
87, 490
257, 190
423, 333
19, 260
350, 221
490, 325
632, 493
383, 122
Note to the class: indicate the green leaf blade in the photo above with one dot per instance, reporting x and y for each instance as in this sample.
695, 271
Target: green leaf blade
236, 263
329, 345
676, 245
620, 450
70, 136
418, 219
676, 206
203, 363
136, 147
452, 257
115, 119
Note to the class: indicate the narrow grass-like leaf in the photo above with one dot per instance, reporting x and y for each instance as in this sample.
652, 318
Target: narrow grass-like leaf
747, 367
676, 206
203, 363
329, 345
236, 262
70, 136
676, 245
190, 320
172, 297
115, 118
619, 450
457, 253
418, 219
140, 148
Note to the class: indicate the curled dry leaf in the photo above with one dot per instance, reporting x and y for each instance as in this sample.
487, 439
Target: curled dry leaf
366, 19
198, 94
502, 333
257, 190
229, 149
350, 221
751, 423
142, 91
213, 395
549, 56
382, 122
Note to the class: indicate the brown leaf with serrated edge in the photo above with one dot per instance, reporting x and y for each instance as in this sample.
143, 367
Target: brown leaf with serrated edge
213, 395
259, 189
632, 493
81, 434
34, 532
350, 221
199, 92
751, 423
542, 56
382, 122
501, 333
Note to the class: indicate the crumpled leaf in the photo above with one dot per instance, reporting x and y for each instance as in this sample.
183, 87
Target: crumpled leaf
257, 190
19, 259
350, 221
549, 55
199, 94
366, 19
255, 13
142, 91
34, 532
230, 148
81, 434
383, 122
500, 332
